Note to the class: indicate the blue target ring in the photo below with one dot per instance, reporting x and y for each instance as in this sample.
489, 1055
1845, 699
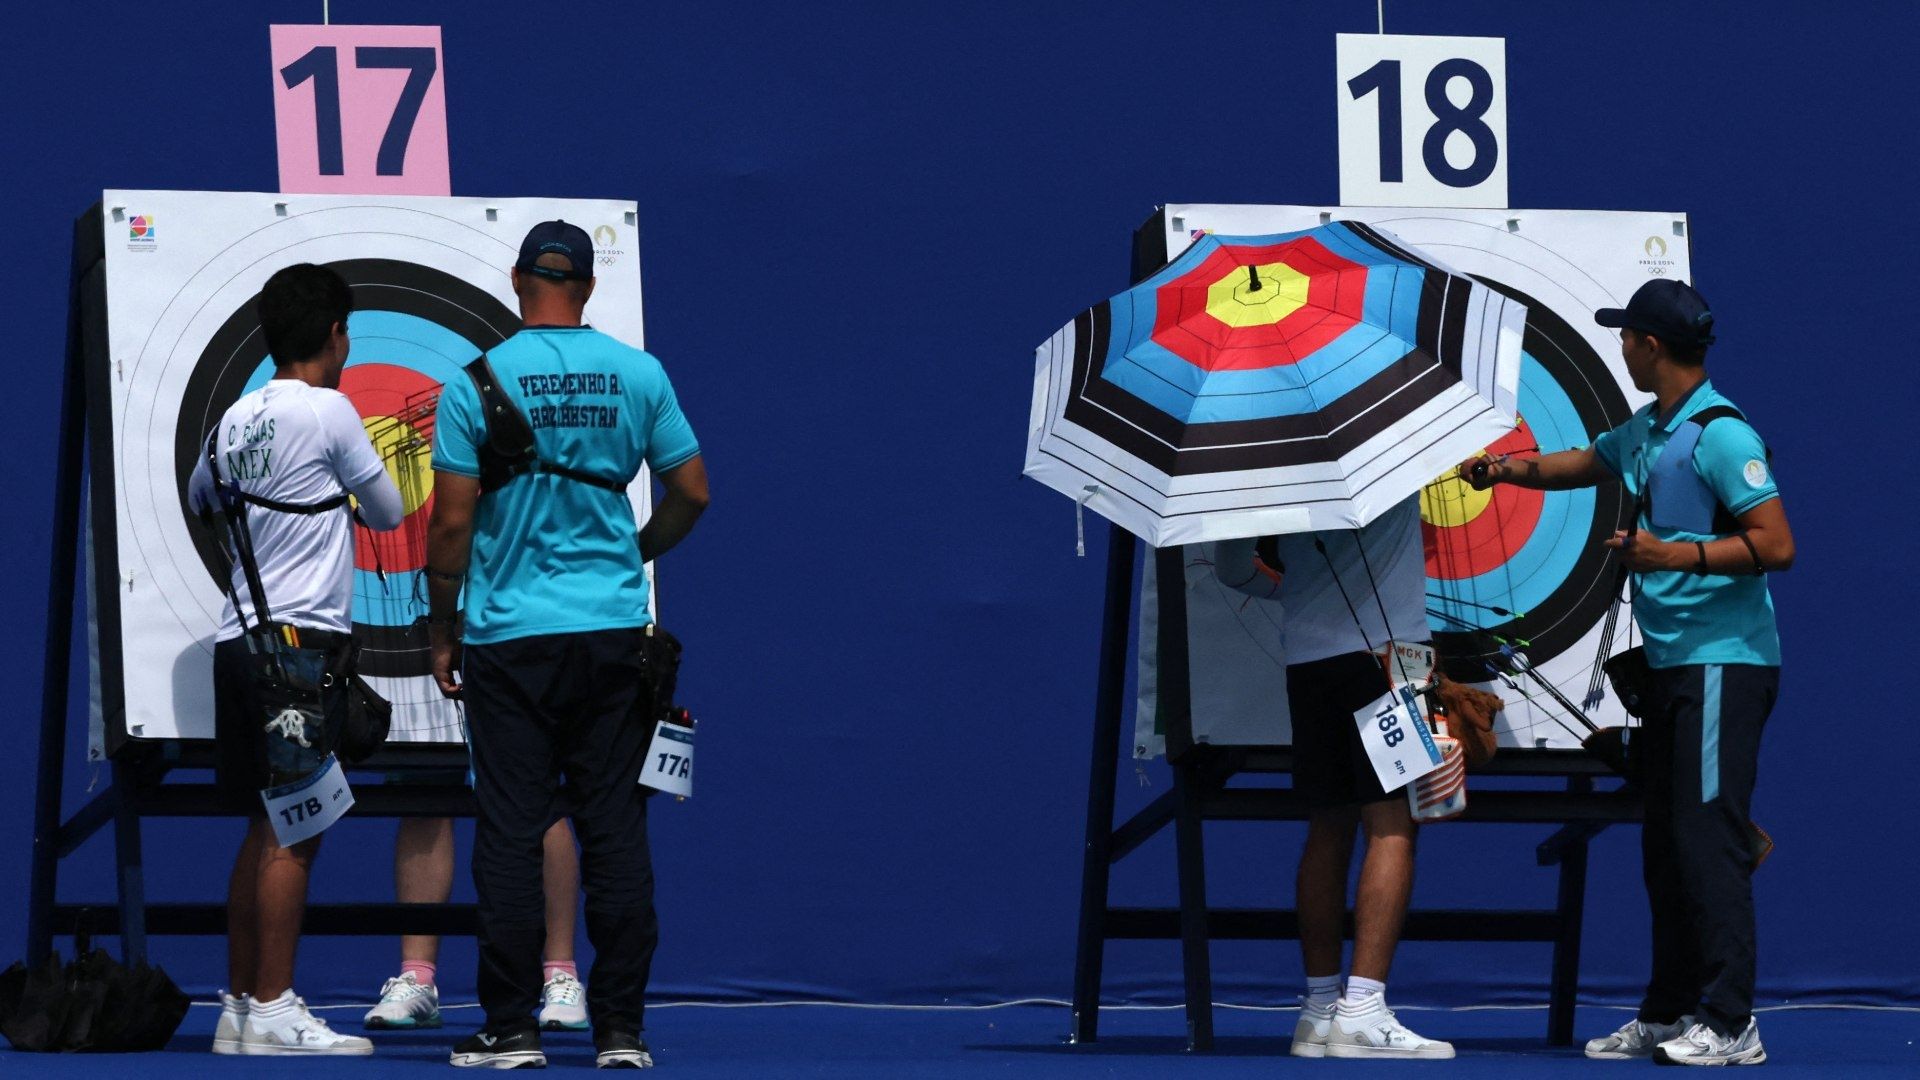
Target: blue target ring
1559, 575
424, 322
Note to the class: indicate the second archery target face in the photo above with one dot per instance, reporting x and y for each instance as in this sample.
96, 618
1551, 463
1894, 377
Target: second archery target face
431, 291
1507, 568
1513, 565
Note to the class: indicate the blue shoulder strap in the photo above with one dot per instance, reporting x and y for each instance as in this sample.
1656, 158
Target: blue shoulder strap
1677, 498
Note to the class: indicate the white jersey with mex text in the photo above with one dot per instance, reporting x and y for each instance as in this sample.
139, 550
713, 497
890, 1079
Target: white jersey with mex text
295, 443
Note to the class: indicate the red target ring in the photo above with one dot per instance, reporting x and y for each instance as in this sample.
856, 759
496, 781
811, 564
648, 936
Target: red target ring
396, 405
1471, 532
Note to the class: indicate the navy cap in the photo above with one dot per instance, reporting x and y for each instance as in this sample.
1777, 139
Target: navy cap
557, 238
1672, 311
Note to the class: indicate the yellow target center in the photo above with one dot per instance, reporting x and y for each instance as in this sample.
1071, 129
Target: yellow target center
1449, 502
407, 456
1268, 294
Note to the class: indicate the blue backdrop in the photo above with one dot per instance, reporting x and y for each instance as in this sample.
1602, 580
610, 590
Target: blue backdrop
889, 639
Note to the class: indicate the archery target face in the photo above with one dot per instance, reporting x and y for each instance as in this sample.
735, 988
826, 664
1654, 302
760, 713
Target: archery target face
431, 291
1535, 554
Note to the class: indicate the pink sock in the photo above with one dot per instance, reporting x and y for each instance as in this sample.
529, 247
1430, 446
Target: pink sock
421, 970
550, 968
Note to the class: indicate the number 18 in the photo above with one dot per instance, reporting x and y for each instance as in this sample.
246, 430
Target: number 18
1448, 118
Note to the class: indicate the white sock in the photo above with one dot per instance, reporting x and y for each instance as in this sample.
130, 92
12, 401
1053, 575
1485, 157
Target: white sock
1323, 990
285, 1003
1362, 992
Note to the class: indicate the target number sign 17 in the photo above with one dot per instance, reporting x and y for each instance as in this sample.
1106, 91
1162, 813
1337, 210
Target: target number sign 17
360, 110
1423, 120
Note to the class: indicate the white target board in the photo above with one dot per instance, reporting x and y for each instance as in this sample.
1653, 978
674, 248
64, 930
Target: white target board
1523, 570
431, 292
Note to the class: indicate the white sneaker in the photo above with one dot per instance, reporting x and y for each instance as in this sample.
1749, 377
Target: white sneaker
404, 1003
289, 1029
1636, 1039
233, 1016
1310, 1033
1370, 1030
1701, 1045
563, 1003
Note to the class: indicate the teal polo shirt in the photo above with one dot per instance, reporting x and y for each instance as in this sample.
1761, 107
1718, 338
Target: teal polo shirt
553, 555
1690, 618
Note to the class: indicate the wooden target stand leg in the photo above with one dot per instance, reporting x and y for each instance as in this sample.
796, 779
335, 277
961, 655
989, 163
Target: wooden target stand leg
1098, 854
1568, 848
138, 787
63, 559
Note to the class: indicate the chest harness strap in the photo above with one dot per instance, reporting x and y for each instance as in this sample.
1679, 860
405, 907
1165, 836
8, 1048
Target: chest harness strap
509, 450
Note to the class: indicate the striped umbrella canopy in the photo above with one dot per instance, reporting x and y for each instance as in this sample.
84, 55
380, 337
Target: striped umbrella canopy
1269, 384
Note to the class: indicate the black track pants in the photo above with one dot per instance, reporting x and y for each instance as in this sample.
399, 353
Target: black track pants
1698, 754
538, 708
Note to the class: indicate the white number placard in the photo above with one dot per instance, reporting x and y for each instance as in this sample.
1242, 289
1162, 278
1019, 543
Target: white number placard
1423, 120
308, 806
669, 766
1394, 731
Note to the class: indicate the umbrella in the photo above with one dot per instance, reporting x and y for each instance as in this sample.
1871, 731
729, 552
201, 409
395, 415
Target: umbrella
92, 1004
1267, 384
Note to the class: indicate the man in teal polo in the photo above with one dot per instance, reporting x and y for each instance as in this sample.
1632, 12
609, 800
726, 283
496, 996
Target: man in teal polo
533, 539
1708, 526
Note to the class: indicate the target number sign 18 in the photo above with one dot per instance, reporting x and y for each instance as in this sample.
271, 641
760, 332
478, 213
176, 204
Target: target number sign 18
360, 110
1423, 120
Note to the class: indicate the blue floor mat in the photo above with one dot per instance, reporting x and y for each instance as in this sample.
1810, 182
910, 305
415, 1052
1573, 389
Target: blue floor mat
699, 1042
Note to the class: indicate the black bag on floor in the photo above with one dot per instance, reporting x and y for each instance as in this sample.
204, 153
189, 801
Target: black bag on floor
93, 1005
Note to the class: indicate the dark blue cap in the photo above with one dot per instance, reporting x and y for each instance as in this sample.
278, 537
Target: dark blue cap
557, 238
1672, 311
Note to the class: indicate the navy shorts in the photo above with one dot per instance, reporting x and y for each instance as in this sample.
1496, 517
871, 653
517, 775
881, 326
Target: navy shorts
239, 727
1330, 765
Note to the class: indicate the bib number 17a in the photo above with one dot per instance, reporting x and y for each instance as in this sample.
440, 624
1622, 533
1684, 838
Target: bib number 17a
669, 764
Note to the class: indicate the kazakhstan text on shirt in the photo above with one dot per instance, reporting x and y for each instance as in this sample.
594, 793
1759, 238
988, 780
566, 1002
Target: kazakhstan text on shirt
574, 416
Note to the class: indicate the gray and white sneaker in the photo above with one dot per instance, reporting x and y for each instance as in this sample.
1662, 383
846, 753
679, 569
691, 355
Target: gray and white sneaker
1701, 1045
563, 1003
1636, 1039
295, 1032
405, 1003
233, 1016
1370, 1030
1310, 1032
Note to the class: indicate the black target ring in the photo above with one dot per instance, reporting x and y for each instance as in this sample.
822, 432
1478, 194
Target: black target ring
1581, 599
237, 349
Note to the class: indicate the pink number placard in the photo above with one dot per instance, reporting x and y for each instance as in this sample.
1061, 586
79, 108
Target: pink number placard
360, 110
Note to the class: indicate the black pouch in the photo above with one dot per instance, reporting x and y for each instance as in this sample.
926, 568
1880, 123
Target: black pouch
660, 653
289, 686
1631, 678
368, 717
660, 656
369, 720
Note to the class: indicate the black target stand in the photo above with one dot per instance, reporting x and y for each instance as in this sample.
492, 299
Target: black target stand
143, 772
1203, 791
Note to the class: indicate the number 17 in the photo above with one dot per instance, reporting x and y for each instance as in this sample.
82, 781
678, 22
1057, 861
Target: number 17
321, 64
